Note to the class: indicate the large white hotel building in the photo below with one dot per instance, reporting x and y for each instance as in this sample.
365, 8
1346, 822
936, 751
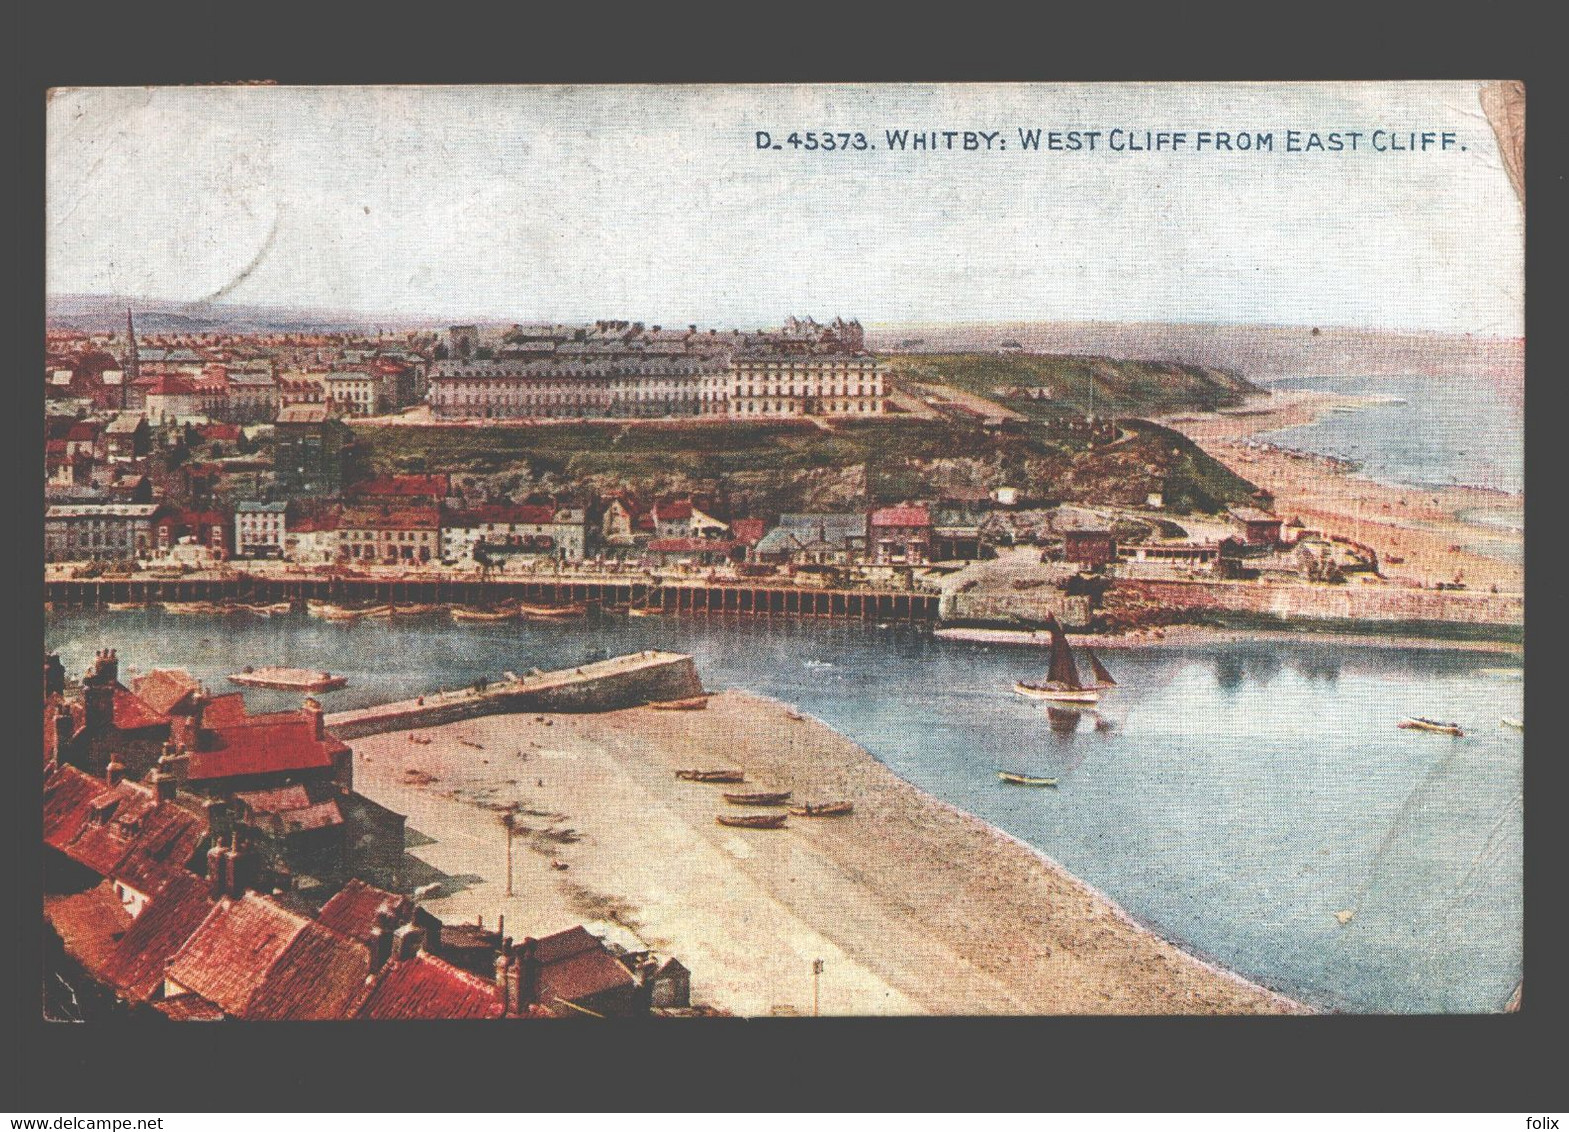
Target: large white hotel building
804, 370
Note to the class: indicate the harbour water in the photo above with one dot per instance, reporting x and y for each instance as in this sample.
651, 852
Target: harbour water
1232, 796
1419, 430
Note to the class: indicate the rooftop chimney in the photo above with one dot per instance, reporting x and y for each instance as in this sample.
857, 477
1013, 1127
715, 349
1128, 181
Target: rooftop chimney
313, 712
504, 981
114, 773
408, 941
54, 675
215, 868
64, 729
528, 974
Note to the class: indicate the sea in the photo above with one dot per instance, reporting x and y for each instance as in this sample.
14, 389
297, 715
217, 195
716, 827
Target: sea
1242, 799
1421, 431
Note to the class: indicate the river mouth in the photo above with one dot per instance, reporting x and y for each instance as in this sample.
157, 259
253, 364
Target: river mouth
1235, 796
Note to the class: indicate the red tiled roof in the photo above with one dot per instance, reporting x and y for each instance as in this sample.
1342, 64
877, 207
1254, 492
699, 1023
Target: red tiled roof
136, 967
131, 714
574, 965
122, 831
188, 1008
68, 793
277, 801
83, 430
665, 512
90, 924
564, 945
165, 689
352, 911
318, 977
221, 711
219, 431
325, 519
166, 383
748, 530
435, 485
426, 987
904, 516
229, 956
395, 517
525, 513
261, 744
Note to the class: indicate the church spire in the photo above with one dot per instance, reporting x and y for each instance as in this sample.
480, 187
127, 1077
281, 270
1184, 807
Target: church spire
133, 361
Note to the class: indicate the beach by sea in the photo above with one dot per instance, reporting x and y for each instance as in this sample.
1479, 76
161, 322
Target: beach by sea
913, 906
1434, 532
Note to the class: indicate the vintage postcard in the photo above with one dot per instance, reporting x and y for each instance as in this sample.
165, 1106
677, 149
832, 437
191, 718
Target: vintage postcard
532, 552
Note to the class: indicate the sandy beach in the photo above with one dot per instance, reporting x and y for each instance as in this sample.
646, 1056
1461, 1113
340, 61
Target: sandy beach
914, 907
1426, 528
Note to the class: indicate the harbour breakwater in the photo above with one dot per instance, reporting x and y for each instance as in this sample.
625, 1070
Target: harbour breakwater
605, 685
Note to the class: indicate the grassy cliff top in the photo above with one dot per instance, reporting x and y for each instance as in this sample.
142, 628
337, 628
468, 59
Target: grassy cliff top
1074, 384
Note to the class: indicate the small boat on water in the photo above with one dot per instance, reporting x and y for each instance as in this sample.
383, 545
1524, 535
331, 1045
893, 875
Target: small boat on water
275, 609
724, 776
126, 606
762, 798
1062, 683
459, 613
328, 611
417, 610
1510, 721
691, 703
1014, 779
753, 821
1418, 723
288, 679
643, 611
552, 612
823, 809
206, 607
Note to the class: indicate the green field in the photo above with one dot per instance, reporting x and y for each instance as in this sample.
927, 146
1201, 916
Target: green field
1109, 386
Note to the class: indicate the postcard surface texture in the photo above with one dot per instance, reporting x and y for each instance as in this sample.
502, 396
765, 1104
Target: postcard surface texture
534, 552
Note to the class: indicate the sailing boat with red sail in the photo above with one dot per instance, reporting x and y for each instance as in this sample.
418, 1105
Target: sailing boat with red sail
1062, 683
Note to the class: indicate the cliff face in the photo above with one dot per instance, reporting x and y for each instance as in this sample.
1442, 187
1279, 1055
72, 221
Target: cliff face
765, 470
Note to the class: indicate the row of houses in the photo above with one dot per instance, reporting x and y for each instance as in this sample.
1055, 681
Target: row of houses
243, 381
204, 863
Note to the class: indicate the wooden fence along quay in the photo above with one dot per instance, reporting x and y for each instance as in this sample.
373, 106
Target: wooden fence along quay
703, 598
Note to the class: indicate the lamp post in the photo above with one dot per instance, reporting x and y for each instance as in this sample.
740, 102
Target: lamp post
508, 821
817, 976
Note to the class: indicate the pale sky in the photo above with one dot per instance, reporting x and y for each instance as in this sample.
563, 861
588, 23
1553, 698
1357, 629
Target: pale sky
654, 203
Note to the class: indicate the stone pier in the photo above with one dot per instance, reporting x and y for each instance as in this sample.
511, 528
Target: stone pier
603, 685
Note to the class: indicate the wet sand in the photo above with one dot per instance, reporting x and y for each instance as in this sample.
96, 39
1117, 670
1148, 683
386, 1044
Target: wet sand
913, 906
1425, 527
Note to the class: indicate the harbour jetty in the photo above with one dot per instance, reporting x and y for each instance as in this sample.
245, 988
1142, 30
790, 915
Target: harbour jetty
687, 597
604, 685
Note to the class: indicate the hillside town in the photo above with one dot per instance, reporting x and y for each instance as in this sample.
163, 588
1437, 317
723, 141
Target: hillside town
173, 455
205, 862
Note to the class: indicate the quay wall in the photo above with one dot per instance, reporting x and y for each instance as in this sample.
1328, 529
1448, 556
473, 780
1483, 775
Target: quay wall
1331, 603
1031, 605
606, 685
